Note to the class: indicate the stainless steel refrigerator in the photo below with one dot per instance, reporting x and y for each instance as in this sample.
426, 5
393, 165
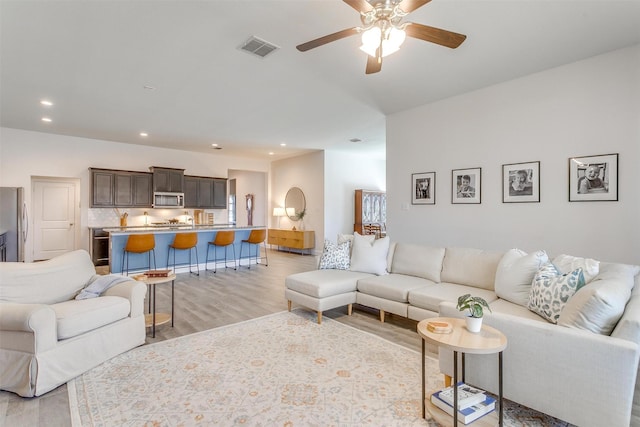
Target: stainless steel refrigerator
13, 221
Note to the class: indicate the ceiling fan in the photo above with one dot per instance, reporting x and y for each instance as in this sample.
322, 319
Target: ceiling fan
383, 30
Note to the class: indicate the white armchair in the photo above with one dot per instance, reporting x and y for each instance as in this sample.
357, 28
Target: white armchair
47, 337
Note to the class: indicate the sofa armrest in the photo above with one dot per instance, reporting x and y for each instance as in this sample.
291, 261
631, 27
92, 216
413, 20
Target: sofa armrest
35, 323
565, 372
132, 290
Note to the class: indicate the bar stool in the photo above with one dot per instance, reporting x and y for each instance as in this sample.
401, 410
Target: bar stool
223, 239
184, 241
139, 244
256, 237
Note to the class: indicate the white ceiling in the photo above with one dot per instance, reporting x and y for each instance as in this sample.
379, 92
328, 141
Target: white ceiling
93, 58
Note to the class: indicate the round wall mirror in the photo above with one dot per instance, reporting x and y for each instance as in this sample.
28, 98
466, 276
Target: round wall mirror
295, 204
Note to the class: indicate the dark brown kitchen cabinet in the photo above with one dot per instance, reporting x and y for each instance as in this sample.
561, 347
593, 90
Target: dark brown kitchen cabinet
114, 188
102, 186
191, 191
166, 180
219, 193
205, 193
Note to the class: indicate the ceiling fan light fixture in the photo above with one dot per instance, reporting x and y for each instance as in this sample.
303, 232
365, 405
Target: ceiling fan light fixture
391, 40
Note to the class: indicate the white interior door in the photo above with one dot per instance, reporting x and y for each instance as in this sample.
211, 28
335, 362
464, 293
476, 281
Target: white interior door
54, 218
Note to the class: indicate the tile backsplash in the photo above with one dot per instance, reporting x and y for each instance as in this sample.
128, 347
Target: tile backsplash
110, 217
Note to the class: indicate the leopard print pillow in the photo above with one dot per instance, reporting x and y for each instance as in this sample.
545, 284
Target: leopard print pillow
550, 291
335, 256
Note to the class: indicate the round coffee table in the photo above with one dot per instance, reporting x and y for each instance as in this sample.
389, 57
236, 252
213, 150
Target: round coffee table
154, 319
488, 341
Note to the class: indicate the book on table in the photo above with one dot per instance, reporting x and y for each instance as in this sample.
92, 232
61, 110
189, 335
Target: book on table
466, 415
467, 395
157, 273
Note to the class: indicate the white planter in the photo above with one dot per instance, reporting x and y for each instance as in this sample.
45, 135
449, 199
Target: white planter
474, 324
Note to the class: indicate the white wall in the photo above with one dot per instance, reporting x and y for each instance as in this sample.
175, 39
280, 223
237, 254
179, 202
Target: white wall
586, 108
251, 183
305, 172
25, 154
345, 173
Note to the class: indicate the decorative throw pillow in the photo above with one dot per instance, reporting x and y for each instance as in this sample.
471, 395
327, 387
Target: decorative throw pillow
567, 263
551, 290
515, 273
597, 307
349, 238
369, 257
335, 256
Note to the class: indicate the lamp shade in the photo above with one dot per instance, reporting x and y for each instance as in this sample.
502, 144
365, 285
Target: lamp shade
390, 41
279, 212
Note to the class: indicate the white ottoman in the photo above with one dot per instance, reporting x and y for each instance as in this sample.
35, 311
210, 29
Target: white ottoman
322, 290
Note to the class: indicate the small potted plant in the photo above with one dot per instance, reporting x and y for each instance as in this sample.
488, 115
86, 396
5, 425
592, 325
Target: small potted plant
476, 306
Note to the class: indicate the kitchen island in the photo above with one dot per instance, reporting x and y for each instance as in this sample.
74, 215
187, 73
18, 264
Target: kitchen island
164, 235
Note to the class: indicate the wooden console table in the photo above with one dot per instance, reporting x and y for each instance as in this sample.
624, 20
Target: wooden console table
294, 239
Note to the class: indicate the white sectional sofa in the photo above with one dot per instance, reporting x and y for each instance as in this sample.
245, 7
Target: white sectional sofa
582, 370
48, 337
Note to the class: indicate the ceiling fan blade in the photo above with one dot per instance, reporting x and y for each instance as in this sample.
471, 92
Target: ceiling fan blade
434, 35
411, 5
327, 39
360, 5
374, 64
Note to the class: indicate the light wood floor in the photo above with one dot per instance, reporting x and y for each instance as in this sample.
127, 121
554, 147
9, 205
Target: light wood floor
208, 301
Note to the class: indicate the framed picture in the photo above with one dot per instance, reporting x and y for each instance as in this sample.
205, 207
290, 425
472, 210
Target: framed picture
593, 178
466, 185
521, 182
423, 187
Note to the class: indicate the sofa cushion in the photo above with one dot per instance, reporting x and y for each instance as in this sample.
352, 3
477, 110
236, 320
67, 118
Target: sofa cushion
46, 282
76, 317
335, 256
394, 287
324, 283
418, 260
369, 257
598, 306
567, 263
515, 273
472, 267
430, 297
503, 306
551, 290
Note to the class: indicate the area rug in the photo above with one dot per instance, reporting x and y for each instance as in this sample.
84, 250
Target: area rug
279, 370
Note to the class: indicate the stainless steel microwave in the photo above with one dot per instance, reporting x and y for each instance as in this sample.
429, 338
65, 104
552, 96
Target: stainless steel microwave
168, 200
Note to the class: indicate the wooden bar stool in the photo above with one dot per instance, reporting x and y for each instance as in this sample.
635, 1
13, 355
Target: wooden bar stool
222, 239
139, 244
184, 241
256, 237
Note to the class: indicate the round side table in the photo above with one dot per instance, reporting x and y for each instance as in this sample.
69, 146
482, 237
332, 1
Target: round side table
154, 319
488, 341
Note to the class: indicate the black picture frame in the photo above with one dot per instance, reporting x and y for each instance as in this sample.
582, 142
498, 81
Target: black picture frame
423, 188
593, 178
521, 182
466, 186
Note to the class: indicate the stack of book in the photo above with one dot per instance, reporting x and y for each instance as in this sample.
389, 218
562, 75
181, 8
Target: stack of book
473, 402
157, 273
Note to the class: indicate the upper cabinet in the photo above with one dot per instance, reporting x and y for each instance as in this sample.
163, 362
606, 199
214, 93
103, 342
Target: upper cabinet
167, 180
204, 192
114, 188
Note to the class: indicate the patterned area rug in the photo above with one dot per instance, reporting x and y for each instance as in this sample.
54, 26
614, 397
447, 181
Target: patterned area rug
279, 370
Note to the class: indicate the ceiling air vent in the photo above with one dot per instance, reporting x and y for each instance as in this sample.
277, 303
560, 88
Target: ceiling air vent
258, 47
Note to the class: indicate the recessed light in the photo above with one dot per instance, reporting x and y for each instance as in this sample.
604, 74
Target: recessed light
355, 140
46, 119
46, 103
271, 153
282, 144
147, 87
216, 146
143, 134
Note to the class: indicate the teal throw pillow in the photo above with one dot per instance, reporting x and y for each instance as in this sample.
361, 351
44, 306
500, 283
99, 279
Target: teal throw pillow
550, 291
